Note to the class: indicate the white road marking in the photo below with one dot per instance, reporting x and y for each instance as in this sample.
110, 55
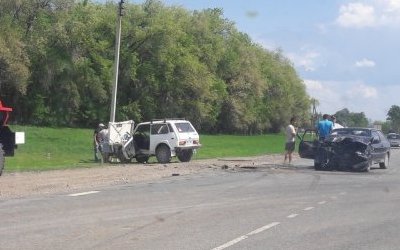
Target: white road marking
243, 237
259, 230
231, 243
84, 193
308, 208
343, 193
292, 215
333, 197
321, 202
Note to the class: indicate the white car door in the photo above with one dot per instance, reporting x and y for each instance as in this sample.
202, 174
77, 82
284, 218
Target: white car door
161, 133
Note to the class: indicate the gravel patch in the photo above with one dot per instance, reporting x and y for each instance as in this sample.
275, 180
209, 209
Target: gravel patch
16, 185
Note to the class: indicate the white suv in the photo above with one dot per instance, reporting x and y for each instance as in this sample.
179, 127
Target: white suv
164, 139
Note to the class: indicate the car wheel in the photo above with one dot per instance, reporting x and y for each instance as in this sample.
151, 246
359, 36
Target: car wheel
385, 162
317, 166
163, 154
121, 157
321, 165
368, 167
1, 159
185, 155
142, 158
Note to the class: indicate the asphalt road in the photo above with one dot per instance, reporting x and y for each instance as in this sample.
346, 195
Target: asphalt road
246, 208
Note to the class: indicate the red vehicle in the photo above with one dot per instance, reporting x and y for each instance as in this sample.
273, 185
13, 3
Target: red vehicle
7, 137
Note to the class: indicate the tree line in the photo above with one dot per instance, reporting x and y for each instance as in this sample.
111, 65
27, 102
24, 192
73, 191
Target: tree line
56, 66
392, 123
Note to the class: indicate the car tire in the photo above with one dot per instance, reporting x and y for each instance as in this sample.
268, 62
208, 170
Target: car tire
317, 166
142, 158
121, 157
1, 159
163, 154
385, 162
368, 167
185, 155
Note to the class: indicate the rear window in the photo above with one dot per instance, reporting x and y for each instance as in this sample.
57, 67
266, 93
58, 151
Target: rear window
393, 136
358, 132
184, 127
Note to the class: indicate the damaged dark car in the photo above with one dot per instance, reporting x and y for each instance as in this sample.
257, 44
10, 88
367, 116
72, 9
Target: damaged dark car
346, 149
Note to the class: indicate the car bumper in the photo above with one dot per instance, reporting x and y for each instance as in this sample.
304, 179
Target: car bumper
177, 149
350, 155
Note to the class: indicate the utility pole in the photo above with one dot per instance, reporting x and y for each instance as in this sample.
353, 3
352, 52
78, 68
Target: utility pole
314, 116
116, 61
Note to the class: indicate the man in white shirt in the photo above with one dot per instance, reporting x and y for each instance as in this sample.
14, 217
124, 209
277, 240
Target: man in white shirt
335, 124
290, 140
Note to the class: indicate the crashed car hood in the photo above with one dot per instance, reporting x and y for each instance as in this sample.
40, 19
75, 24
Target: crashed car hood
349, 152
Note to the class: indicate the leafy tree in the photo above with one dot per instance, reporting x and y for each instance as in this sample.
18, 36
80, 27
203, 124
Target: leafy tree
350, 119
14, 62
385, 126
393, 116
173, 63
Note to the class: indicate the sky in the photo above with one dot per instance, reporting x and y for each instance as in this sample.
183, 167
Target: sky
347, 52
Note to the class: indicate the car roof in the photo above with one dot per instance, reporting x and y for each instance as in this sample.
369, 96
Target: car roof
164, 121
353, 128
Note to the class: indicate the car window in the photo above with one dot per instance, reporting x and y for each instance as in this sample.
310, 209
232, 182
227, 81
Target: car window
184, 127
341, 132
145, 129
170, 127
375, 136
309, 135
381, 135
393, 136
358, 132
160, 128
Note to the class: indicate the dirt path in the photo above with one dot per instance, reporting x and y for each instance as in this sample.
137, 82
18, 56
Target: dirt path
14, 185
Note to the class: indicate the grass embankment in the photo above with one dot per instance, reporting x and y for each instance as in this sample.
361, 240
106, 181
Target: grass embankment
60, 148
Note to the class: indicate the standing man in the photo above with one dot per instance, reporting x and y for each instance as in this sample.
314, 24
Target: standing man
290, 140
324, 127
97, 139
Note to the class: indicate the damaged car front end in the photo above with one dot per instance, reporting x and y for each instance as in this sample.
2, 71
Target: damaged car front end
346, 149
344, 153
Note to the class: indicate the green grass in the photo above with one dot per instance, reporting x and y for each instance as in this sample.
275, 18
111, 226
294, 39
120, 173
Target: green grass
51, 148
60, 148
214, 146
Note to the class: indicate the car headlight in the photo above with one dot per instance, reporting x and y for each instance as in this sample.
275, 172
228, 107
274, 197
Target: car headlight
359, 153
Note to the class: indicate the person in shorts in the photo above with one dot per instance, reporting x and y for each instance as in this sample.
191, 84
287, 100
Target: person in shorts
290, 140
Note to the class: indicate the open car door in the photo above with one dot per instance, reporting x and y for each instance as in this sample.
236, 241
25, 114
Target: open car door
308, 144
